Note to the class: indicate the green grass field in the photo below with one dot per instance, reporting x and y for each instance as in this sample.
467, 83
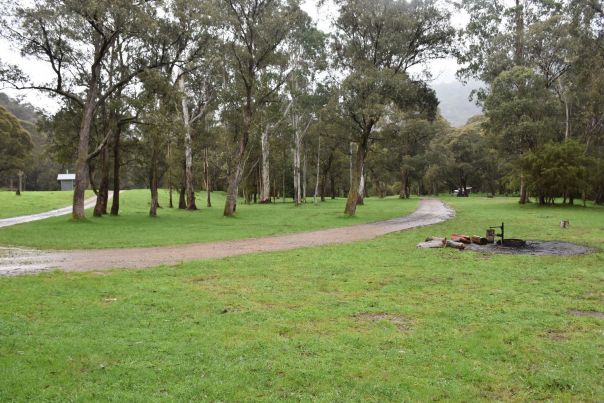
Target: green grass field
33, 202
134, 227
371, 321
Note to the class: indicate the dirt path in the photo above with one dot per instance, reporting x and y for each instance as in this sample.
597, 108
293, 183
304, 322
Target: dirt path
7, 222
14, 261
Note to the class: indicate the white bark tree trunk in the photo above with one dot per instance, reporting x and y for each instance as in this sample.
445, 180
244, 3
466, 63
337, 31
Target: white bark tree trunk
318, 169
362, 185
265, 192
189, 191
304, 178
297, 181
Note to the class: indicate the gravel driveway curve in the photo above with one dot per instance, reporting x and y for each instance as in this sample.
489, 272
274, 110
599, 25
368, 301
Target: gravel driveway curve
7, 222
15, 261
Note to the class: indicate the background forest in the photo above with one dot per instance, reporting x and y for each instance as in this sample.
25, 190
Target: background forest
251, 98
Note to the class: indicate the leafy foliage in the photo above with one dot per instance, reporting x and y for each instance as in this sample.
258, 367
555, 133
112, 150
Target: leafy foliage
15, 143
558, 169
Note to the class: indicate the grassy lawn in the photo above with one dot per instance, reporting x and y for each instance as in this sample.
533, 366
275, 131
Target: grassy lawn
33, 202
134, 227
371, 321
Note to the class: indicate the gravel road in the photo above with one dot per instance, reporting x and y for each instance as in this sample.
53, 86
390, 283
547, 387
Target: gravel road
16, 261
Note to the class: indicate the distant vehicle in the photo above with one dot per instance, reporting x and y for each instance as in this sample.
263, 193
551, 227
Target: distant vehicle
459, 192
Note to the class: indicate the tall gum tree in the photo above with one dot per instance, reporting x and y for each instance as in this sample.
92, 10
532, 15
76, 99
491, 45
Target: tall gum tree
521, 113
501, 35
74, 38
377, 42
15, 145
256, 33
196, 51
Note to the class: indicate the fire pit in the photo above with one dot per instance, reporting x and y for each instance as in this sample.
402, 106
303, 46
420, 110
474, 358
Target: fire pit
512, 243
535, 248
506, 243
522, 247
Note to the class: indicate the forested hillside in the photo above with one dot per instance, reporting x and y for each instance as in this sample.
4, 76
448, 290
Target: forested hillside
40, 170
455, 104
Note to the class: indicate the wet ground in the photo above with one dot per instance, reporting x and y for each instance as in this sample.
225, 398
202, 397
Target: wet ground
15, 261
536, 248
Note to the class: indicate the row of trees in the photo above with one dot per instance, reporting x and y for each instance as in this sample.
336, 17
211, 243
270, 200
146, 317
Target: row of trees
251, 98
542, 62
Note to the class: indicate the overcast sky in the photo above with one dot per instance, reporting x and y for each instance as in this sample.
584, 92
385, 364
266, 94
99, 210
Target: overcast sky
441, 70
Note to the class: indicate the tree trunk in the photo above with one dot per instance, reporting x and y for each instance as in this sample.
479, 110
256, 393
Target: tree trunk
350, 163
404, 193
115, 205
182, 203
304, 178
332, 184
102, 198
265, 192
519, 34
153, 187
230, 204
523, 190
323, 187
170, 187
207, 175
297, 163
189, 190
318, 171
20, 188
353, 194
81, 165
283, 175
361, 193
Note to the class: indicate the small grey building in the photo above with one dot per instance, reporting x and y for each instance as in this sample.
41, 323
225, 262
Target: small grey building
66, 181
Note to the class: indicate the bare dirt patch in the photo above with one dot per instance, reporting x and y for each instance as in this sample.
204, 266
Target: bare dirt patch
401, 323
556, 334
590, 314
535, 248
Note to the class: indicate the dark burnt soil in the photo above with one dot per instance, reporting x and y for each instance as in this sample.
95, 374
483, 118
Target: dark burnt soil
535, 248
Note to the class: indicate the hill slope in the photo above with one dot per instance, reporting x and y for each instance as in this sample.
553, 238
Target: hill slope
454, 103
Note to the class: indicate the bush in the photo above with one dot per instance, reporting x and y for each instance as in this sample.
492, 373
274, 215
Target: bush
558, 170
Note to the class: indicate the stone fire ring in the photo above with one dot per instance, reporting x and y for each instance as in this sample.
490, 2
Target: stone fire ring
535, 248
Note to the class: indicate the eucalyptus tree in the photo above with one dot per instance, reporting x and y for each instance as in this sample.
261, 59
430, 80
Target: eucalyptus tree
274, 114
407, 139
377, 42
157, 120
586, 84
15, 145
256, 36
197, 71
74, 38
501, 34
522, 113
306, 57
